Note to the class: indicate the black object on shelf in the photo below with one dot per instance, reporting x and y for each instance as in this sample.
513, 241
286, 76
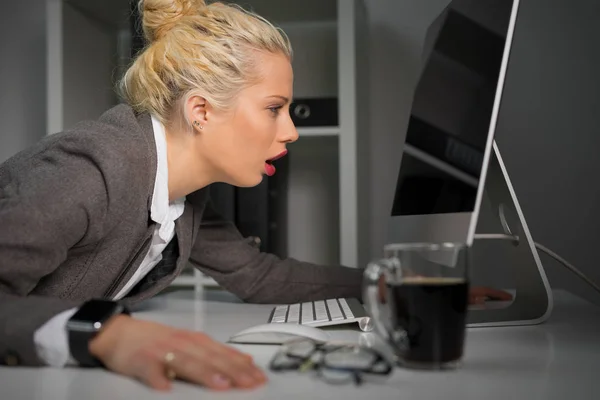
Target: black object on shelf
314, 111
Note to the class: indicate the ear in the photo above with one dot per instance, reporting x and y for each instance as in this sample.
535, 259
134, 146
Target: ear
196, 110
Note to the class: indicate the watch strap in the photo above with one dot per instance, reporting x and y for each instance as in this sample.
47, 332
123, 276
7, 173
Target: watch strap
79, 338
79, 346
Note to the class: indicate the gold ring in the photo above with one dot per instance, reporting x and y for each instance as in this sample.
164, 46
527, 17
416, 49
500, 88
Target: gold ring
169, 358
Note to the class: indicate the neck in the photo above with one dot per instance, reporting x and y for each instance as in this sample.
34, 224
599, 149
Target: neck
187, 172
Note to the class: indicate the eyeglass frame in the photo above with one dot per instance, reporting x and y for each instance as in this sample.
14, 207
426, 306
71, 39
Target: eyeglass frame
326, 348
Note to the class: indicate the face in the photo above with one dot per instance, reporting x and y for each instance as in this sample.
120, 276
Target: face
239, 144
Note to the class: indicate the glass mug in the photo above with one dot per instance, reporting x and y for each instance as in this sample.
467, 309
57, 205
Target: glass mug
417, 297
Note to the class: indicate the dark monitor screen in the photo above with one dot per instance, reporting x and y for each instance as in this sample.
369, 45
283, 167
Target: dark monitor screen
452, 109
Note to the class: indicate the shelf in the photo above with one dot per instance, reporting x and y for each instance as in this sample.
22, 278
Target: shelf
316, 131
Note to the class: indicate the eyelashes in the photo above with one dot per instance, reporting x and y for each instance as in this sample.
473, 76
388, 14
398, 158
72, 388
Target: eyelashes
275, 110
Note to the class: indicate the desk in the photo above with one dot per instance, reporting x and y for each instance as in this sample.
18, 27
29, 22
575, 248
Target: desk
558, 360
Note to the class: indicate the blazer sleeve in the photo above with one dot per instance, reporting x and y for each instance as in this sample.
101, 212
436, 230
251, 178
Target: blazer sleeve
50, 201
221, 252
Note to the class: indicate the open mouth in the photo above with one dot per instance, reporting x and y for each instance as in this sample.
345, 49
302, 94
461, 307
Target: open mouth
277, 157
269, 167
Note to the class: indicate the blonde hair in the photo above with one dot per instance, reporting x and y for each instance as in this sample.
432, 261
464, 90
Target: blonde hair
195, 48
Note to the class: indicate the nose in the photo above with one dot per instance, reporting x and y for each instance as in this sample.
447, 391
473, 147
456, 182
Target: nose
290, 133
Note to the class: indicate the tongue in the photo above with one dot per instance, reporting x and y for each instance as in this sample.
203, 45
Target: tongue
269, 169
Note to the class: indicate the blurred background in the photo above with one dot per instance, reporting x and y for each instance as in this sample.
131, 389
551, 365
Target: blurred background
331, 202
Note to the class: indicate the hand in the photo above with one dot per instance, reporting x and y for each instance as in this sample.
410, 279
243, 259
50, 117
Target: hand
139, 349
479, 294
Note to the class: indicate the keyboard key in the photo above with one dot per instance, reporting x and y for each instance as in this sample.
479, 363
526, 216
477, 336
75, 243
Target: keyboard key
334, 310
321, 312
346, 308
279, 314
294, 314
318, 313
307, 313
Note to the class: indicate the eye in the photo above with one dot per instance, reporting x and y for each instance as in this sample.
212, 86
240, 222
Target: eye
275, 110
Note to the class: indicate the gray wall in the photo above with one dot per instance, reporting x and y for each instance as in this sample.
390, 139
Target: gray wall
22, 75
547, 130
87, 76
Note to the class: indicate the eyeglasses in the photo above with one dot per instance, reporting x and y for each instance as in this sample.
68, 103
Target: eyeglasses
335, 363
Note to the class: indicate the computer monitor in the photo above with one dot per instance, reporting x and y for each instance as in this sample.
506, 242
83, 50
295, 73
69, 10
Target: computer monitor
450, 157
451, 129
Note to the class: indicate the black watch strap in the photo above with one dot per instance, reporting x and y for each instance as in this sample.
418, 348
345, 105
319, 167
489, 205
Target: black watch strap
79, 346
85, 324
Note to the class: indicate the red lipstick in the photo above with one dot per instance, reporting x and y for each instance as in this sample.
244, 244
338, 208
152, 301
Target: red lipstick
278, 156
269, 167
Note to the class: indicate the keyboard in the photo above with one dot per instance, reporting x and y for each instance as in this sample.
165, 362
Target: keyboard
323, 313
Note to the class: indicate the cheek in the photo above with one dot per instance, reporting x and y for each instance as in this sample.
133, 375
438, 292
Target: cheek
256, 136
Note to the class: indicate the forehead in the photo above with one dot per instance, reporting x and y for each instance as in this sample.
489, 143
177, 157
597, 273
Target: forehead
276, 73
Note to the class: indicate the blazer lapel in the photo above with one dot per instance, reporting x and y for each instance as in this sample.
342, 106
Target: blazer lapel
184, 226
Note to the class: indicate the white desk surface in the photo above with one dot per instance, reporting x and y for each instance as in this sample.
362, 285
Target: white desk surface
557, 360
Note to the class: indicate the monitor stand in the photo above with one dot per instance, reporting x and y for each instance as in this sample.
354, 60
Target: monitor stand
532, 302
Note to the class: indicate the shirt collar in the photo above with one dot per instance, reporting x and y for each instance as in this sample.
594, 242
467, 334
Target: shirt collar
161, 211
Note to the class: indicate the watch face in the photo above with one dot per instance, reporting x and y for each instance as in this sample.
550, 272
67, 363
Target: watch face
96, 311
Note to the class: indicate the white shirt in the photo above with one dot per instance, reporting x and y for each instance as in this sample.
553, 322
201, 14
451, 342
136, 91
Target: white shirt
51, 338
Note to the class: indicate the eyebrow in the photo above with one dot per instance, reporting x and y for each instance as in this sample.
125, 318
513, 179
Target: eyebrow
280, 97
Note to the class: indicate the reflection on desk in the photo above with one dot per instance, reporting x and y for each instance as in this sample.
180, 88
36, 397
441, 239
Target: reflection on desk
557, 360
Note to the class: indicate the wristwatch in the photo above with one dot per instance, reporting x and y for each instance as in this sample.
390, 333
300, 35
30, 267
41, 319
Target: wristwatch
85, 324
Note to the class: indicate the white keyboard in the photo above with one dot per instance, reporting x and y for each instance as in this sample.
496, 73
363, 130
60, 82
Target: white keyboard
322, 313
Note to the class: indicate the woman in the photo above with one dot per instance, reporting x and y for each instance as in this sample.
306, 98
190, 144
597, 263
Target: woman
115, 208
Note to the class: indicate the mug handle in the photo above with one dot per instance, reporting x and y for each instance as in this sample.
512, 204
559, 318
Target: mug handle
372, 278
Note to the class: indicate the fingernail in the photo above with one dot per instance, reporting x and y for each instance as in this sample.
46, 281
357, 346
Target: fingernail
220, 380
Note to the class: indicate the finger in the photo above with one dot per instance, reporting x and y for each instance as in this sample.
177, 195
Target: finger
242, 374
497, 294
155, 376
233, 352
230, 362
228, 351
476, 300
205, 341
198, 370
228, 371
149, 368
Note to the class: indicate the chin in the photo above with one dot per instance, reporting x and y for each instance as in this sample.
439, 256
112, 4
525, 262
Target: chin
247, 181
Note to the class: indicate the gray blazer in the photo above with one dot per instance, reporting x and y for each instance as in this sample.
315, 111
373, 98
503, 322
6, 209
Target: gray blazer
74, 225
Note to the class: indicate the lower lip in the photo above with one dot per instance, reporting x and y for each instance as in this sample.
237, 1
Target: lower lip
269, 169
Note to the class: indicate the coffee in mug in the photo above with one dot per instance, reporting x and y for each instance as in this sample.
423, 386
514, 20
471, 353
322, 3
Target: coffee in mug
419, 301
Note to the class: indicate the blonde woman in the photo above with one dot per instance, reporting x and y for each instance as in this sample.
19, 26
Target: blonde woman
108, 213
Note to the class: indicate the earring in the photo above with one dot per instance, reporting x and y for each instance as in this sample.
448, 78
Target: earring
197, 124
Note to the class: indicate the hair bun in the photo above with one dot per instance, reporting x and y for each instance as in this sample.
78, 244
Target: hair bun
160, 16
